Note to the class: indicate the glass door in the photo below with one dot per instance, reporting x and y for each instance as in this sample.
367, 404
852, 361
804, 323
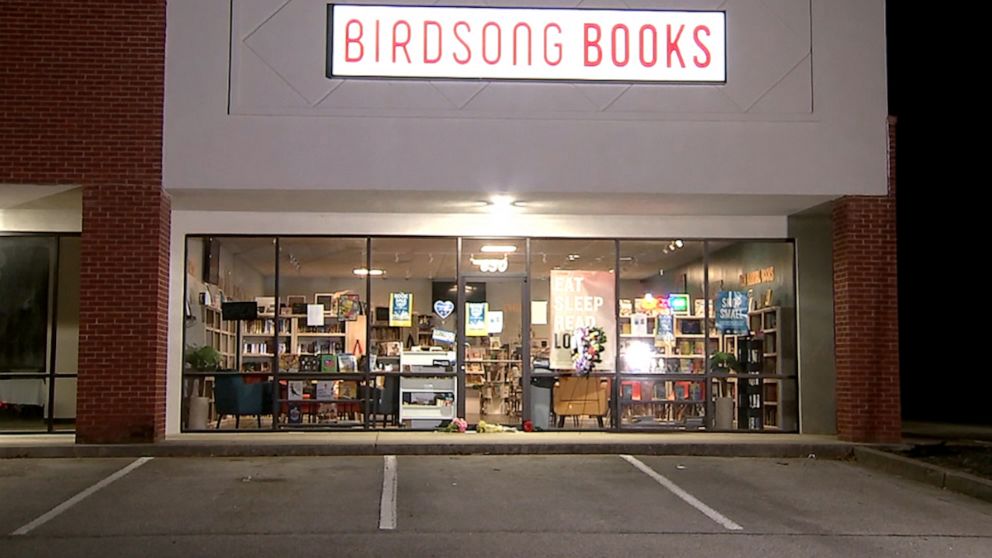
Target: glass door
494, 353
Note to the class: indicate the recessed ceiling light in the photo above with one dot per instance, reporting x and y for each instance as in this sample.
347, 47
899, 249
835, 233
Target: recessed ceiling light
626, 259
491, 248
361, 271
573, 257
661, 272
501, 201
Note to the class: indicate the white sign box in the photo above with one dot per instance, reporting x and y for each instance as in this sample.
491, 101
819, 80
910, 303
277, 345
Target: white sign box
526, 44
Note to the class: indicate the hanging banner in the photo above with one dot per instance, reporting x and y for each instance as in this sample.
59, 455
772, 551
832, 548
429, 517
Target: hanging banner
731, 312
581, 299
476, 319
400, 309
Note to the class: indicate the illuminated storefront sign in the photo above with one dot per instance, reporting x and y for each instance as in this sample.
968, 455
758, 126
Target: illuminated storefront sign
526, 44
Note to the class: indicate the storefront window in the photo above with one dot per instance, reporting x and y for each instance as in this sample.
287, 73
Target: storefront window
328, 332
322, 324
573, 299
414, 324
752, 289
663, 334
39, 332
230, 334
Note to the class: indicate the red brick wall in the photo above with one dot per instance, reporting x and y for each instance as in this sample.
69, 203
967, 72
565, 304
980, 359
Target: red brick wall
866, 326
81, 102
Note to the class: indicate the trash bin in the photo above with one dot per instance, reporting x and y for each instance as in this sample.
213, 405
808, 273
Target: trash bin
540, 400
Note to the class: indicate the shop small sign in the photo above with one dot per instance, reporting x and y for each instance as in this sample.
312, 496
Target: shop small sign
731, 311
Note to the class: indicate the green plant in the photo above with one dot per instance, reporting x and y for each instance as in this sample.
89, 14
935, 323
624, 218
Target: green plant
722, 361
203, 358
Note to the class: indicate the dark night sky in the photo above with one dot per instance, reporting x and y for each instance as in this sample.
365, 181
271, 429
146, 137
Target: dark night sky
934, 93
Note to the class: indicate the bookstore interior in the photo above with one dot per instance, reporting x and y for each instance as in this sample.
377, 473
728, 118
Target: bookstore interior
296, 333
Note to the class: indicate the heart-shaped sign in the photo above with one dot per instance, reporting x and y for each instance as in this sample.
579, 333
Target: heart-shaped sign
444, 308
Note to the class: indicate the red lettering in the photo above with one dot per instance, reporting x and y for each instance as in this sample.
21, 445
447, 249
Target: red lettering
673, 46
654, 46
702, 47
437, 26
592, 44
485, 43
397, 44
349, 40
547, 42
626, 45
529, 43
468, 51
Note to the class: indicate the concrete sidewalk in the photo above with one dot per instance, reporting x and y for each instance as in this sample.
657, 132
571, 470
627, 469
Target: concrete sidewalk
435, 443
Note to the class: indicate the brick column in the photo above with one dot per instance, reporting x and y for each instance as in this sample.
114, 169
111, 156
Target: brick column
866, 326
81, 103
123, 316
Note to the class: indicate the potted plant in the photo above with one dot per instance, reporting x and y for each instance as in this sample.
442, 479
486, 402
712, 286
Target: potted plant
202, 359
724, 363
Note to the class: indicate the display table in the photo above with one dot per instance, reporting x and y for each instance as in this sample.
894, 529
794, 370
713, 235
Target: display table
24, 392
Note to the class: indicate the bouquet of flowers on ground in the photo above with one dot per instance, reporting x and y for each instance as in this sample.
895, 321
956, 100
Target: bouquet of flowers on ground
590, 344
484, 427
457, 425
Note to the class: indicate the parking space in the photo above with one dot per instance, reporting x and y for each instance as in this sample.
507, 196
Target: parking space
231, 495
814, 497
537, 494
31, 487
552, 505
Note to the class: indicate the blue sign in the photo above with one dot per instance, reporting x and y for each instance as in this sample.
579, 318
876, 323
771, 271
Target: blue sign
731, 312
665, 330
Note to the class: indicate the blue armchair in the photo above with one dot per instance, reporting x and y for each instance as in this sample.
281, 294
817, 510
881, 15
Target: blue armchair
232, 396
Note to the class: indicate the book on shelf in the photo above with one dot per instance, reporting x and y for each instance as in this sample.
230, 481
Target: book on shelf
295, 390
324, 390
309, 363
329, 363
347, 389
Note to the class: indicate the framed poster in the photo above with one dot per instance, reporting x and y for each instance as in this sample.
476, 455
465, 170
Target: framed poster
581, 299
349, 307
400, 309
495, 320
476, 319
328, 300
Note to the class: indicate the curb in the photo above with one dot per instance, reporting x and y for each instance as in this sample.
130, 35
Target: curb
920, 471
771, 450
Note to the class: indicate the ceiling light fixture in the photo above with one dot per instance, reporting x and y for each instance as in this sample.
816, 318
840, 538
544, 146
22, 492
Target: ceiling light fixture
497, 248
679, 244
573, 257
501, 201
362, 272
491, 265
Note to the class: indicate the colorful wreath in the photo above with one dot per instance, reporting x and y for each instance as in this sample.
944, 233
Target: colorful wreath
590, 344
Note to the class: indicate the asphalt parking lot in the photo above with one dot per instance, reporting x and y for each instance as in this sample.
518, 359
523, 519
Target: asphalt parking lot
479, 506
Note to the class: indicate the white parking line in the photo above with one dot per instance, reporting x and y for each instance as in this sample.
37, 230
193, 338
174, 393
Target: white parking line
387, 504
688, 498
59, 509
